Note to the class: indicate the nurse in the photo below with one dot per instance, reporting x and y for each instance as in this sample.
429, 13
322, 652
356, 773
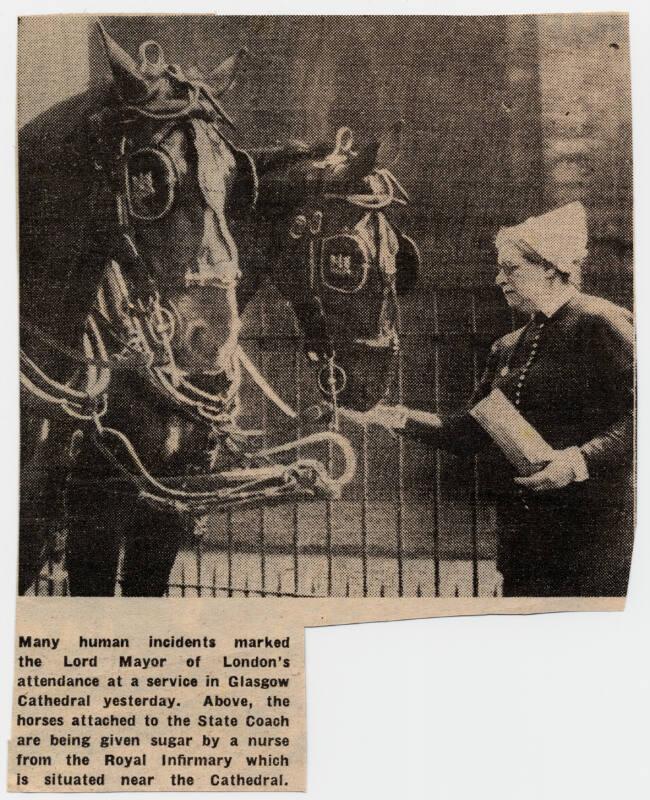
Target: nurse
567, 529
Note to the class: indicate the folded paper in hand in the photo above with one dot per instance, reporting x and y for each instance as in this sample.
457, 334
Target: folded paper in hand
522, 444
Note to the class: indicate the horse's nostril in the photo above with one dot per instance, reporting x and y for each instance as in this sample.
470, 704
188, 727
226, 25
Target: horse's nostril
199, 339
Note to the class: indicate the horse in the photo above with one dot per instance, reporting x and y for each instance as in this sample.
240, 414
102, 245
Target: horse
322, 235
159, 293
123, 236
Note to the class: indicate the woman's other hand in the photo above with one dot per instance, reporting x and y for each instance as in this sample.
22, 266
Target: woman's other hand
565, 467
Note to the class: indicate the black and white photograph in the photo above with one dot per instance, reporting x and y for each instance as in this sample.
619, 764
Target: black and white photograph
317, 317
326, 306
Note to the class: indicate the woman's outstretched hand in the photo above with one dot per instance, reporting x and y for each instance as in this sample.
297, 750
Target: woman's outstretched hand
390, 417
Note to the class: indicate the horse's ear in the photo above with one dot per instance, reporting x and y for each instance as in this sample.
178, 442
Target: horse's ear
223, 77
132, 85
390, 145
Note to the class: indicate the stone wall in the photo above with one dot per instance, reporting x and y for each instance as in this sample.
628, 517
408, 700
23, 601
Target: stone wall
52, 62
587, 137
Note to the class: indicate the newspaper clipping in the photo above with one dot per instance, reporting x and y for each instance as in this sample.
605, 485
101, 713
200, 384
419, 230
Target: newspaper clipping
322, 319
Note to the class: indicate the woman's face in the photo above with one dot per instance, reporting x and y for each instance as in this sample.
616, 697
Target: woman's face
523, 284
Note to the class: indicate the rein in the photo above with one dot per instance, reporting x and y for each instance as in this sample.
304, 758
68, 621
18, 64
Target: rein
149, 352
83, 404
263, 482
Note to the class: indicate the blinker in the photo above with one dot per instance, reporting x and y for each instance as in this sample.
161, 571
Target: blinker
345, 262
150, 184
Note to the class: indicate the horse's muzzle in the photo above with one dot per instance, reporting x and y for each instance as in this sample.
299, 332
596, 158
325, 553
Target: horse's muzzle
362, 375
207, 329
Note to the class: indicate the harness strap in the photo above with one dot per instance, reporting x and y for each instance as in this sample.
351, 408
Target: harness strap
329, 437
303, 476
264, 385
83, 405
382, 194
133, 361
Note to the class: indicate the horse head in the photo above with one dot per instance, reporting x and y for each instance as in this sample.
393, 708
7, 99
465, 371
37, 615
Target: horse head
175, 178
339, 259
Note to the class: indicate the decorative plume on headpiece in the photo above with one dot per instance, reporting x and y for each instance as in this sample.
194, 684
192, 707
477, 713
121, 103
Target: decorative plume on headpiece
559, 237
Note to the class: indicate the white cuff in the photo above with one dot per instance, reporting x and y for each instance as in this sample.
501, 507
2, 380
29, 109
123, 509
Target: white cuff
578, 464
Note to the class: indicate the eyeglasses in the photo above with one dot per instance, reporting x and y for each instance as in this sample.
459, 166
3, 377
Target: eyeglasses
509, 269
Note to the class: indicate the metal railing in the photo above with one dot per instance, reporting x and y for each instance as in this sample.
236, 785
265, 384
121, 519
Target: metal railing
408, 525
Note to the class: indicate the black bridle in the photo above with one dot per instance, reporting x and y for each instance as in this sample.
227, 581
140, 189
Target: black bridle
343, 261
145, 182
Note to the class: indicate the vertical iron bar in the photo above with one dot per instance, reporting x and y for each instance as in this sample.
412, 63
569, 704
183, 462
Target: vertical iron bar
296, 508
265, 422
437, 499
120, 565
400, 482
328, 507
328, 525
199, 559
229, 532
364, 513
475, 472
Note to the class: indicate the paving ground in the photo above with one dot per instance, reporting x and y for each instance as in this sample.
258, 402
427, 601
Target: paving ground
207, 574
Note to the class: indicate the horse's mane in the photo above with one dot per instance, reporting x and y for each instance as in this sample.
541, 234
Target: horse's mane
66, 216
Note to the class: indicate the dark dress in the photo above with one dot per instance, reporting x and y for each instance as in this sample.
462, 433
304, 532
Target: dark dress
572, 377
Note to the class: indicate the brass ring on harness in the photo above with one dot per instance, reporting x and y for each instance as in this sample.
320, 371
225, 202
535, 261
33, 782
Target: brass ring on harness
327, 379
